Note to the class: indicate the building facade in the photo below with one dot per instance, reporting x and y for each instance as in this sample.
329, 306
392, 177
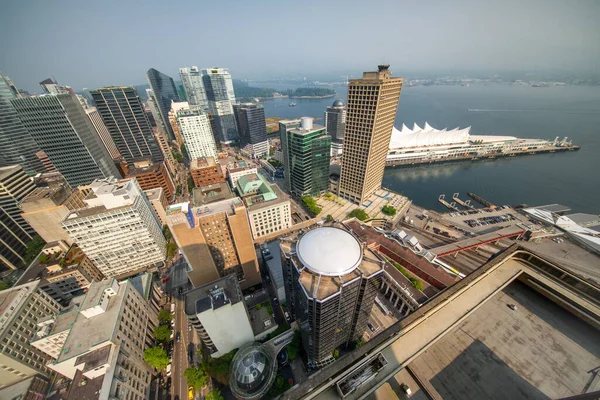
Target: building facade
164, 91
175, 107
269, 211
150, 175
103, 133
219, 315
216, 241
372, 105
118, 230
159, 202
235, 172
335, 122
191, 78
221, 97
124, 116
206, 171
15, 232
21, 308
252, 129
306, 148
61, 127
197, 133
16, 143
331, 283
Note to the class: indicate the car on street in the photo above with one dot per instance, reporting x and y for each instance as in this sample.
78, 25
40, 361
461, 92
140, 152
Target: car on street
371, 327
178, 337
169, 370
190, 393
287, 316
275, 301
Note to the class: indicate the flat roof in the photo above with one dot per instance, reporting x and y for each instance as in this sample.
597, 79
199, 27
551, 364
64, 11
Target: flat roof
585, 220
200, 299
555, 208
154, 194
211, 194
329, 251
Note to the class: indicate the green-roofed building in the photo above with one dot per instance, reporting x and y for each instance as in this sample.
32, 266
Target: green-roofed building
268, 207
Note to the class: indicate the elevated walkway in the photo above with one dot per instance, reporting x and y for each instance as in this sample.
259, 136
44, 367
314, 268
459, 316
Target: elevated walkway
462, 245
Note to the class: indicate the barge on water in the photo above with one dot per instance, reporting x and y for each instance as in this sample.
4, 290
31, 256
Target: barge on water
429, 145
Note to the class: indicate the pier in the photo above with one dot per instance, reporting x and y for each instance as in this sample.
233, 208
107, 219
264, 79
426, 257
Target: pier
451, 206
480, 200
477, 157
465, 204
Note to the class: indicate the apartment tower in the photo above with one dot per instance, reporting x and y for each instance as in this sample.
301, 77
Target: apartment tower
191, 78
195, 127
220, 95
335, 122
371, 112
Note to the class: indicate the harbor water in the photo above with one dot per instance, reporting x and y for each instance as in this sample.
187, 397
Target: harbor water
571, 178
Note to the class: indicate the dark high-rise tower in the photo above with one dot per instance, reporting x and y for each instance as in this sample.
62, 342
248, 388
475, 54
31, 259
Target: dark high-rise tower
61, 127
124, 116
252, 128
165, 92
331, 284
16, 144
335, 122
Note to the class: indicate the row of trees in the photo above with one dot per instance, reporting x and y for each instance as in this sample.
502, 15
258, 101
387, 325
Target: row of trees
157, 356
311, 204
416, 283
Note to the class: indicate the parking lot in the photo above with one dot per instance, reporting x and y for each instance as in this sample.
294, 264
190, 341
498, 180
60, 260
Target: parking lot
484, 218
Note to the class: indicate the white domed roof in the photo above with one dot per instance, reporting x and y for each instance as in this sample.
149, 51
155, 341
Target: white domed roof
329, 251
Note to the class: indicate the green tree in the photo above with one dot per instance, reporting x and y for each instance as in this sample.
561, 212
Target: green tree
190, 182
156, 357
162, 333
178, 157
171, 247
183, 149
329, 218
359, 214
178, 190
359, 343
167, 232
218, 368
294, 347
214, 395
417, 284
196, 377
271, 151
33, 249
279, 382
4, 285
311, 204
44, 259
165, 316
389, 210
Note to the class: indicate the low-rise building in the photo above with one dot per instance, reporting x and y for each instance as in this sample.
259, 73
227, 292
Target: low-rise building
269, 211
219, 315
46, 207
21, 308
151, 175
211, 194
235, 172
159, 202
206, 171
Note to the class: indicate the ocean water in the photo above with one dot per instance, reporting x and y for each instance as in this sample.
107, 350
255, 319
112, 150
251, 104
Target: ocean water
572, 178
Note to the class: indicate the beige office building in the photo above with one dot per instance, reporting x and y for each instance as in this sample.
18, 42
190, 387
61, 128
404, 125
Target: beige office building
21, 308
371, 111
216, 241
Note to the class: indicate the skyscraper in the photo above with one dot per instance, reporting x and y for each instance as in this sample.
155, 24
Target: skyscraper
191, 78
123, 114
61, 127
306, 148
331, 283
15, 232
164, 91
118, 229
197, 133
335, 122
372, 105
16, 144
103, 133
220, 95
252, 128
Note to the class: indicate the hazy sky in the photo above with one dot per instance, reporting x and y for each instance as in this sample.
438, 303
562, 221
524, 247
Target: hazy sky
106, 42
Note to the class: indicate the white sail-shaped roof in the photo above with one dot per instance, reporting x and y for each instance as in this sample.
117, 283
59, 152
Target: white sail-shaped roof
427, 136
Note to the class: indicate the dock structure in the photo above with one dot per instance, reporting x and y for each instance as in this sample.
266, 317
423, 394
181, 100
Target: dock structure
451, 206
465, 204
480, 200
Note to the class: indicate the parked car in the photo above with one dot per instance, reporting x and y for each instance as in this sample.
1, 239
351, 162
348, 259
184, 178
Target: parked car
287, 316
178, 337
371, 327
190, 393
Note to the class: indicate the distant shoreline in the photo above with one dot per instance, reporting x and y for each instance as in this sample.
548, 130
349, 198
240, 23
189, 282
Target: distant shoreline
313, 97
